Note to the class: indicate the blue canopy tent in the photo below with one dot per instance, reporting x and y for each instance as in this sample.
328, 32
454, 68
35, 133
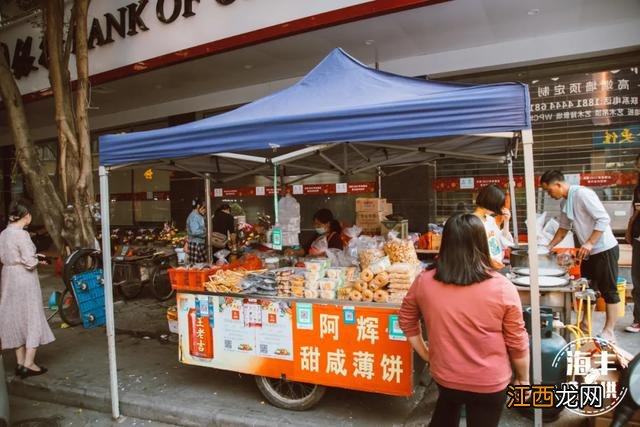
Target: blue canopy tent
340, 101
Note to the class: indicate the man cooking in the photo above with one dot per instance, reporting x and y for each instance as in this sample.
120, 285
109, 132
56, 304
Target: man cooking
582, 211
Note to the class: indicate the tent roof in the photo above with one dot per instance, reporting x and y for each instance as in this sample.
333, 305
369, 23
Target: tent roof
339, 100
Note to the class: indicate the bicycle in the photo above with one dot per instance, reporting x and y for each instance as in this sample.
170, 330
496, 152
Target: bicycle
129, 275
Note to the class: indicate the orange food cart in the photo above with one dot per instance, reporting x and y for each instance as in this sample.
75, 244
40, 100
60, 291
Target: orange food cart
298, 347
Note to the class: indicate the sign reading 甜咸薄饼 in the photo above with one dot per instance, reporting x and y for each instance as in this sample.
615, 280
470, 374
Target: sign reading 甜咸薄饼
354, 347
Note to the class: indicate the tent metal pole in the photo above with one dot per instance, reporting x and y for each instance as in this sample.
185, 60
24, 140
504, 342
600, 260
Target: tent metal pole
379, 172
508, 135
108, 290
512, 192
207, 198
536, 341
447, 153
332, 163
357, 150
245, 157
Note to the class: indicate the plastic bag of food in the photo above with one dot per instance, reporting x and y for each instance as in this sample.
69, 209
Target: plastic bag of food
221, 256
401, 250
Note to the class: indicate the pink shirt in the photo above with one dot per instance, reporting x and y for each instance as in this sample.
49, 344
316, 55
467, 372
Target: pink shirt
472, 330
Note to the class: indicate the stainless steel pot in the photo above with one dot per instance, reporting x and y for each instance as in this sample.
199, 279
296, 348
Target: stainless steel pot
520, 258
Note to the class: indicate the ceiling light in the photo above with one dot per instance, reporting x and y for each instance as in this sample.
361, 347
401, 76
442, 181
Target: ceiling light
369, 42
615, 71
248, 66
534, 81
533, 12
555, 79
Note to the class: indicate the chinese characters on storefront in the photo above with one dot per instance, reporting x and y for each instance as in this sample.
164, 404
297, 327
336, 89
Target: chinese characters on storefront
597, 96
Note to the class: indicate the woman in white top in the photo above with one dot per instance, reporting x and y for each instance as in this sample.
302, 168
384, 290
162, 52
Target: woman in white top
489, 203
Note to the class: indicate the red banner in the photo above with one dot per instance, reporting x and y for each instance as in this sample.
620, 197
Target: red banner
612, 179
299, 190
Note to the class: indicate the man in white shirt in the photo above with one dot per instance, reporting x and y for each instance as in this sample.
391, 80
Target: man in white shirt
582, 211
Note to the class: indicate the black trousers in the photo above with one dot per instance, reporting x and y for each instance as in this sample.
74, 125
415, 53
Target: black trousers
483, 409
602, 270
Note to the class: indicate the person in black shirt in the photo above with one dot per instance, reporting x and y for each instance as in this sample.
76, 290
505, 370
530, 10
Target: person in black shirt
223, 221
633, 236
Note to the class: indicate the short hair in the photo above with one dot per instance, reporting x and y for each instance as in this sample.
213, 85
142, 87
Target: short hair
552, 176
224, 207
17, 211
464, 253
323, 215
491, 197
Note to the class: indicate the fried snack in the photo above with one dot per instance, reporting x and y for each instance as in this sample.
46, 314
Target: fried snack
343, 293
355, 295
381, 296
369, 256
359, 285
310, 293
367, 295
401, 251
366, 275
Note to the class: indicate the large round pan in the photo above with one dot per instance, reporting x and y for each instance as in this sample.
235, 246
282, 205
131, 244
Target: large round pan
545, 271
543, 281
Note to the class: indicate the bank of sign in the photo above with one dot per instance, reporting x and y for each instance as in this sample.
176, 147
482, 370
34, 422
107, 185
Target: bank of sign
126, 32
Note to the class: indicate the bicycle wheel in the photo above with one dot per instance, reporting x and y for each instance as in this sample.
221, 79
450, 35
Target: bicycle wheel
79, 261
68, 309
125, 279
290, 395
160, 283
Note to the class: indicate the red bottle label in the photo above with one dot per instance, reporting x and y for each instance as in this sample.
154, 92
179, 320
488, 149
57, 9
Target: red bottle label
200, 336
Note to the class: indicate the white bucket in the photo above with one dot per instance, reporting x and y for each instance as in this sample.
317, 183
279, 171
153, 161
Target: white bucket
181, 255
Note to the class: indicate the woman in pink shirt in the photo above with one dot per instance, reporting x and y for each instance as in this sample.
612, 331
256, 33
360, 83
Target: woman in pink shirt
475, 329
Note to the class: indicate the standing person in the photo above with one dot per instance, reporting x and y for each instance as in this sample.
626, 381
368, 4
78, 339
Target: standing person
633, 238
196, 234
223, 221
489, 203
474, 323
582, 210
23, 324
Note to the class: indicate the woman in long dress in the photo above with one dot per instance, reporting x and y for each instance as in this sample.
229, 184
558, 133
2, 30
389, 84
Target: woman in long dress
23, 324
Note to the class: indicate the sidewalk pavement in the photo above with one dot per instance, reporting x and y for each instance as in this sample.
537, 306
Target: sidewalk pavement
154, 386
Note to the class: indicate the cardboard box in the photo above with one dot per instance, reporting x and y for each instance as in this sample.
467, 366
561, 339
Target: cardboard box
369, 221
370, 204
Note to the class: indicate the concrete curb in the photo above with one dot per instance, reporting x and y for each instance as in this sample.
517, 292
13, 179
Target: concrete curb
143, 406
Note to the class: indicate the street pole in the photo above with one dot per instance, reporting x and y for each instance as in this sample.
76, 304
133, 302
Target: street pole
536, 339
108, 289
207, 198
512, 192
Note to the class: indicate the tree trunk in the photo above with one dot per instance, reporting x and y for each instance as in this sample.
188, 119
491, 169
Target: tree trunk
44, 193
66, 208
72, 120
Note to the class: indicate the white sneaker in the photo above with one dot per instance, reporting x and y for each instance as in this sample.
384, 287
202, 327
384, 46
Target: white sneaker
634, 327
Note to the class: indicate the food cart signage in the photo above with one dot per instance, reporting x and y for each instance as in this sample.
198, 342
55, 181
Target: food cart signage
354, 347
299, 189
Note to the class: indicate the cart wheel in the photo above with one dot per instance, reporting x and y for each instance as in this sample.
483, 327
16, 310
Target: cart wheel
290, 395
131, 288
160, 283
79, 261
68, 309
126, 281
